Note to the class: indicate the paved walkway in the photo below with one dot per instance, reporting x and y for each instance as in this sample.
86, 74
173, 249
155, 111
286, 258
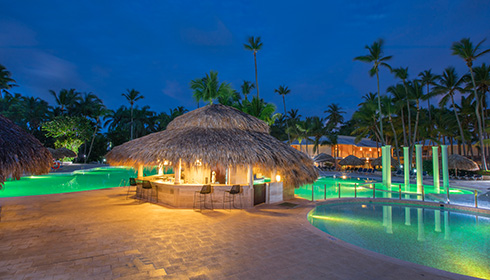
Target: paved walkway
102, 235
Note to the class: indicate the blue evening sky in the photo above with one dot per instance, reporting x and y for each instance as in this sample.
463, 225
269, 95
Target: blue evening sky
157, 47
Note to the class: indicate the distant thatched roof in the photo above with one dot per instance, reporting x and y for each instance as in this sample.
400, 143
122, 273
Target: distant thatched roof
62, 153
217, 135
322, 157
20, 152
377, 162
461, 162
351, 160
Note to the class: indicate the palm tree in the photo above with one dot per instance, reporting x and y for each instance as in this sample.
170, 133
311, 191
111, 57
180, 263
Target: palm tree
389, 110
375, 57
247, 86
66, 100
449, 84
132, 96
6, 82
209, 88
464, 49
334, 117
283, 91
98, 110
317, 131
482, 80
417, 93
254, 44
402, 74
399, 96
428, 79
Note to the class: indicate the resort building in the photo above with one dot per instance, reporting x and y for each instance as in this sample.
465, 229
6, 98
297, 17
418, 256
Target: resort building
366, 149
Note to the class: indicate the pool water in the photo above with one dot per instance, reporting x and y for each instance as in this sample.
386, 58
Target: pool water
81, 180
457, 242
328, 187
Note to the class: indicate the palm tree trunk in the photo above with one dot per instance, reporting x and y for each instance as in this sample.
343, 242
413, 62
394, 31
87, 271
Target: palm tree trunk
404, 132
131, 121
416, 124
459, 125
396, 140
256, 79
92, 142
410, 150
379, 110
477, 111
287, 125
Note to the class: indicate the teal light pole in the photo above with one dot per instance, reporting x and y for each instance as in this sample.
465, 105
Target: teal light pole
406, 168
418, 162
435, 168
445, 170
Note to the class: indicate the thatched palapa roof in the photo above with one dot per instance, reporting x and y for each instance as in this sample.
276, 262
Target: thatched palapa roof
20, 152
322, 157
377, 162
217, 135
351, 160
461, 162
61, 153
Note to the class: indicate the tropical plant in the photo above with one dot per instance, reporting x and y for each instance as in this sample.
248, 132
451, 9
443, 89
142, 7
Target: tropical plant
66, 99
449, 84
283, 91
6, 82
209, 88
428, 79
335, 115
132, 96
69, 132
469, 53
375, 57
254, 45
247, 86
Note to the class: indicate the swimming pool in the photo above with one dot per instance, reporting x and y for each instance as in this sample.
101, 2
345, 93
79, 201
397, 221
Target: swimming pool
450, 240
328, 187
80, 180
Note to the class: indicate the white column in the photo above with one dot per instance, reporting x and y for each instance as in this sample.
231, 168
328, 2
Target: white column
177, 172
418, 162
140, 171
435, 168
160, 169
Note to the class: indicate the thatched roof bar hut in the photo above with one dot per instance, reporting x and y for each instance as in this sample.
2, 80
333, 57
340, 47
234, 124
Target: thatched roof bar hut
218, 136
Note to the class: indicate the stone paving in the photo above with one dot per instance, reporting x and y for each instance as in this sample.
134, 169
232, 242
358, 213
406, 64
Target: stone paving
102, 235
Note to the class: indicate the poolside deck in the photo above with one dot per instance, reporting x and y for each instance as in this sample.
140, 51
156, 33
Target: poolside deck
102, 235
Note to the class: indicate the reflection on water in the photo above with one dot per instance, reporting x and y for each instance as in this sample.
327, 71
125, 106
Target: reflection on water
458, 242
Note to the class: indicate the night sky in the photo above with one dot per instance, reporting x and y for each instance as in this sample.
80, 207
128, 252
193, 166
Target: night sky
157, 47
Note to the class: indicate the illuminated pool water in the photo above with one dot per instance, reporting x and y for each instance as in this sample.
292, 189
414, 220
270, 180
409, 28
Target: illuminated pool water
448, 240
81, 180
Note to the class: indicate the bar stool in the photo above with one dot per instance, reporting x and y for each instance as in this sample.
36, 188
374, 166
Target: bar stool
147, 187
229, 196
132, 183
200, 197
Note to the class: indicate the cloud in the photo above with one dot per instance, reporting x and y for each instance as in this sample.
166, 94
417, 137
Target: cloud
15, 34
174, 89
218, 36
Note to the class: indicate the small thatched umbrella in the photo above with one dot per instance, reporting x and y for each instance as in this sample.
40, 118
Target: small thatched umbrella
64, 152
20, 152
351, 160
217, 135
460, 162
377, 162
320, 158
